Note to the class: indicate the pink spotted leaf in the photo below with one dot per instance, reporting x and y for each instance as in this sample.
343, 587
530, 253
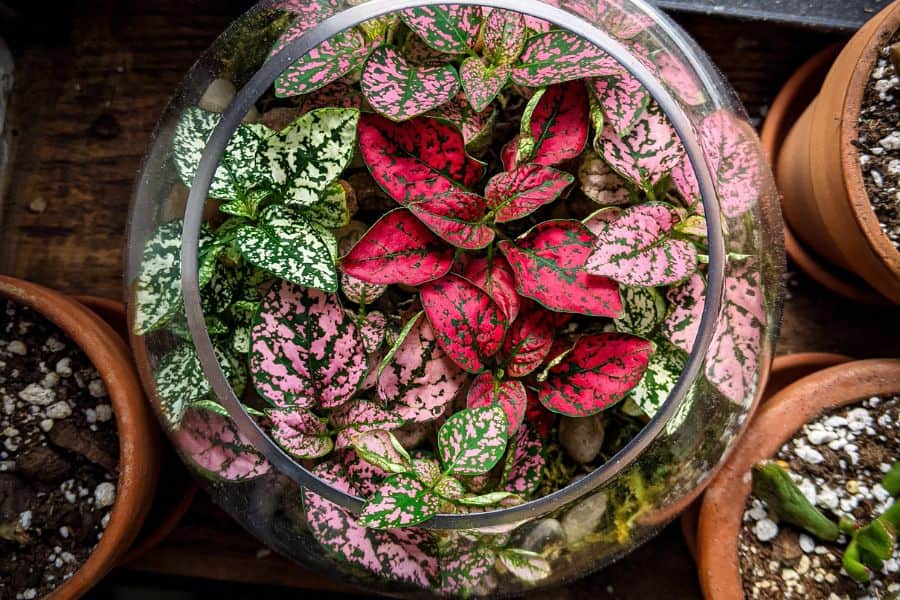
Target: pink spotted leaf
599, 371
456, 217
555, 125
686, 302
638, 248
401, 90
466, 566
467, 323
497, 279
548, 262
359, 291
398, 249
649, 152
508, 394
599, 220
473, 441
482, 82
684, 179
305, 350
418, 159
449, 28
524, 467
401, 501
401, 555
213, 444
339, 94
300, 433
733, 153
559, 56
623, 100
528, 340
475, 127
619, 21
679, 78
516, 194
504, 36
359, 416
419, 380
324, 64
372, 328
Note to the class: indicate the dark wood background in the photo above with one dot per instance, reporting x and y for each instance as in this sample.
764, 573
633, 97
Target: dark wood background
91, 78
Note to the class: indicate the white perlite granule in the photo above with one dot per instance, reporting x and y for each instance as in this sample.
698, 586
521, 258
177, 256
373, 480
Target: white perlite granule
105, 494
37, 395
765, 530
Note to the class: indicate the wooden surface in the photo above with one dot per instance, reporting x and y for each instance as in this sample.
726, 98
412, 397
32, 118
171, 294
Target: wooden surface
90, 83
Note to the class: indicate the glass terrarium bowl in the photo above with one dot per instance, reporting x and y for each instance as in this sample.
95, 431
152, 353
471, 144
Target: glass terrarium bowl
724, 318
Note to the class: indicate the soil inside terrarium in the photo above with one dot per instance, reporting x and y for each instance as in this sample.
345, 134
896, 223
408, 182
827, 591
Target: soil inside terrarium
879, 139
58, 458
838, 462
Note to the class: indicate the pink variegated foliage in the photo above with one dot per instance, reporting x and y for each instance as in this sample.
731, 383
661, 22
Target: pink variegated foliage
623, 100
733, 152
559, 56
214, 445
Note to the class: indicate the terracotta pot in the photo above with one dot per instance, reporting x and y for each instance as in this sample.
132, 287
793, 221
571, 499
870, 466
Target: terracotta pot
818, 170
138, 438
785, 371
172, 502
778, 421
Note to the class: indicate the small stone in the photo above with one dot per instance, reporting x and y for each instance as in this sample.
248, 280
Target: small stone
894, 167
17, 347
836, 422
809, 455
890, 142
820, 550
581, 437
97, 389
64, 367
539, 535
803, 565
806, 543
105, 494
37, 395
584, 517
29, 594
25, 519
858, 419
38, 205
64, 532
789, 575
59, 410
765, 530
808, 488
104, 412
217, 96
821, 436
852, 486
50, 380
880, 493
46, 425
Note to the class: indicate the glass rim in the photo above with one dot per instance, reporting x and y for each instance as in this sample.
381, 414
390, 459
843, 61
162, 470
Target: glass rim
266, 75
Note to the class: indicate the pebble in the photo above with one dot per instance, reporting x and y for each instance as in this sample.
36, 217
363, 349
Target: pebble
808, 488
807, 544
105, 494
97, 389
890, 142
46, 425
17, 347
218, 96
37, 395
59, 410
29, 594
584, 517
581, 437
540, 534
765, 530
104, 412
25, 519
64, 367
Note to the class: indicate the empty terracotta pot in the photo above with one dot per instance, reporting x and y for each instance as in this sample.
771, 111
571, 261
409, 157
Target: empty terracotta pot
138, 437
818, 169
776, 423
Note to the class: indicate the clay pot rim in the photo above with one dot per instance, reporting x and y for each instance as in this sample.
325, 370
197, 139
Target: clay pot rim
772, 135
138, 447
860, 204
775, 424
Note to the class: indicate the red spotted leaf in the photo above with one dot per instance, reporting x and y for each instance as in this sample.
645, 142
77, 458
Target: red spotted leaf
733, 153
650, 151
482, 82
528, 340
555, 125
524, 468
559, 56
516, 194
468, 324
401, 90
398, 249
213, 444
359, 416
305, 350
623, 100
686, 302
420, 380
507, 394
504, 36
418, 159
300, 433
324, 64
599, 371
449, 28
548, 262
402, 555
473, 441
497, 279
637, 248
509, 153
455, 217
538, 417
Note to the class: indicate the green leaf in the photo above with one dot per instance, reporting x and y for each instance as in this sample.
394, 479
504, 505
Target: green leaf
891, 480
473, 441
643, 310
527, 566
491, 499
310, 154
246, 204
237, 170
449, 487
659, 379
292, 248
401, 501
382, 449
399, 341
773, 485
331, 210
427, 470
158, 286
